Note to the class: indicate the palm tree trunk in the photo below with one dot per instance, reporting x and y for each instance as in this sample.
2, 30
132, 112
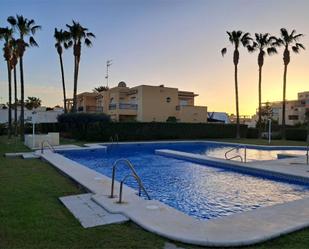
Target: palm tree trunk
22, 99
260, 102
75, 86
237, 106
283, 101
15, 102
10, 100
63, 85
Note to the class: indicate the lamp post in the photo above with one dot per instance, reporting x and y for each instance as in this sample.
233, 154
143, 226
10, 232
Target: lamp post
269, 130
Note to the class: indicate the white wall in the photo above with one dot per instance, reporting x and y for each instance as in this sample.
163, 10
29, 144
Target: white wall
42, 116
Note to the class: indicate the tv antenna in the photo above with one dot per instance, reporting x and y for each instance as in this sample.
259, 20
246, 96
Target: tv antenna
108, 64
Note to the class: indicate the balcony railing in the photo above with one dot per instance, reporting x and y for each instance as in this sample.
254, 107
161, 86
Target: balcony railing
128, 106
112, 106
123, 106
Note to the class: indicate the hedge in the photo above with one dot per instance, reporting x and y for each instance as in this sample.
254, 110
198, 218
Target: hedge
296, 134
102, 131
252, 133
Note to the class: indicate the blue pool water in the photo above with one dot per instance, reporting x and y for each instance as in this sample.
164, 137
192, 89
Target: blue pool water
198, 190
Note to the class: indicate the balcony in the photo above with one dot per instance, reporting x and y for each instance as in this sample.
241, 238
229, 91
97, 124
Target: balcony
123, 106
127, 106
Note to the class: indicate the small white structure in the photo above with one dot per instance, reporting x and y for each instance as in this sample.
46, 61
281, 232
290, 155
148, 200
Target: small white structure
43, 115
34, 141
218, 117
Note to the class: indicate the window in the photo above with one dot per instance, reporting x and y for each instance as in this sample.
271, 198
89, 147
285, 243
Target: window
293, 117
168, 99
183, 102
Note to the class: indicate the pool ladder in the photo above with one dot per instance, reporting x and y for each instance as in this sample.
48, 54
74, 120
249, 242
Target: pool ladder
48, 145
131, 174
114, 140
237, 156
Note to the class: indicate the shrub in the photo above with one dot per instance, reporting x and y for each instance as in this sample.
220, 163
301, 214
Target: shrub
252, 133
296, 134
171, 119
2, 129
83, 118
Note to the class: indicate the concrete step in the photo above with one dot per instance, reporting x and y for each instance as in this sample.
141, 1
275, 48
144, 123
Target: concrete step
88, 212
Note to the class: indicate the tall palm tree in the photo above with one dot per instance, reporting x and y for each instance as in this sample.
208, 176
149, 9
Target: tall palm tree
25, 28
62, 38
7, 53
288, 41
237, 39
263, 44
14, 62
78, 36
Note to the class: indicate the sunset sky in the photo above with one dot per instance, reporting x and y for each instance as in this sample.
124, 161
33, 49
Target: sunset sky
174, 42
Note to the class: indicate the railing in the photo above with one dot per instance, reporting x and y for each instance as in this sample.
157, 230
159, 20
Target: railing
236, 156
128, 106
49, 146
123, 106
112, 106
131, 174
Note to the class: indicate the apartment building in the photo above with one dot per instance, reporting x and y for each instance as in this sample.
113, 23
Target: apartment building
144, 103
295, 109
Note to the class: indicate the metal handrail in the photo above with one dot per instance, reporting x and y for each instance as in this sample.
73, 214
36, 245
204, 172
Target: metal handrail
237, 156
140, 184
116, 139
49, 146
130, 165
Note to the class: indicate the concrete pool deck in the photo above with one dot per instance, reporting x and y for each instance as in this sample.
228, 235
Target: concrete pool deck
239, 229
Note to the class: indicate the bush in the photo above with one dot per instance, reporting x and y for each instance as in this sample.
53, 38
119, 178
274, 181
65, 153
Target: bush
83, 118
252, 133
296, 134
2, 129
102, 131
171, 119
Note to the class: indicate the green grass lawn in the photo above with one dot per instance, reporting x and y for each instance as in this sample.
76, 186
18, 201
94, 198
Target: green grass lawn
32, 217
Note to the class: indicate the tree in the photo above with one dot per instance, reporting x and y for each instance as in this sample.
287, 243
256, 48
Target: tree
263, 43
25, 28
14, 62
288, 41
6, 35
100, 89
237, 38
32, 103
62, 38
78, 36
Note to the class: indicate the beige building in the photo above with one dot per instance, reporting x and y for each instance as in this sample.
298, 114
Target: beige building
295, 109
144, 103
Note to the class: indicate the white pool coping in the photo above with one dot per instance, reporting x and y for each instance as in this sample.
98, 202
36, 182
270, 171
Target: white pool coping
239, 229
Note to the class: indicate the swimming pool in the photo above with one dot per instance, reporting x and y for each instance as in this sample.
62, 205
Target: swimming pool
198, 190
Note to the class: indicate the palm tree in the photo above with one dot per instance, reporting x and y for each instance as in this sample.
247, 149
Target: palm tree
14, 62
288, 41
263, 43
7, 53
78, 36
25, 28
61, 38
237, 38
